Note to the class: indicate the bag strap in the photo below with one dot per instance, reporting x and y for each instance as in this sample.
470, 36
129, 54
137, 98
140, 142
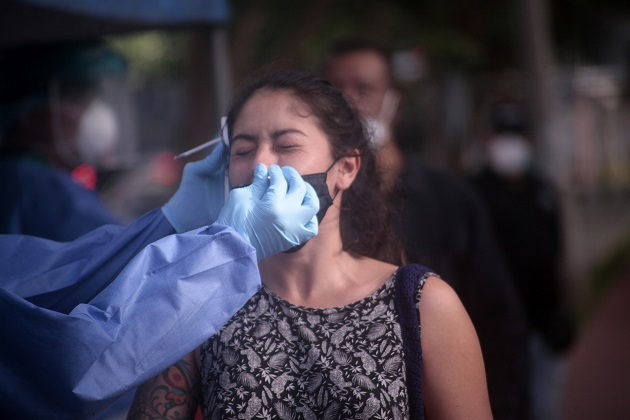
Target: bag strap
408, 279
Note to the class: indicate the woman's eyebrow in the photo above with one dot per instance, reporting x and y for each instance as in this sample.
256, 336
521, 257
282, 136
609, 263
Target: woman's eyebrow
244, 136
274, 135
279, 133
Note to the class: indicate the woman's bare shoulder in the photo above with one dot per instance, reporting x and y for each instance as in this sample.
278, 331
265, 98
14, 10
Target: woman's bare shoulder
440, 302
439, 289
455, 383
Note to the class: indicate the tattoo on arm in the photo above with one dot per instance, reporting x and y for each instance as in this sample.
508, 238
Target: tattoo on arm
173, 394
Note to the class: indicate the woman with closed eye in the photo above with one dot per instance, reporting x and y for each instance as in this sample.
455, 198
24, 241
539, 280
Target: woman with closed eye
328, 335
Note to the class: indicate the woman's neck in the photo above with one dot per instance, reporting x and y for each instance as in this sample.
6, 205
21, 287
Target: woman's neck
322, 275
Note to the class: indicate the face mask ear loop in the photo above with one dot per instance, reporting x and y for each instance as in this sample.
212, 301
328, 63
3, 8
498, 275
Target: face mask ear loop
335, 196
333, 164
326, 172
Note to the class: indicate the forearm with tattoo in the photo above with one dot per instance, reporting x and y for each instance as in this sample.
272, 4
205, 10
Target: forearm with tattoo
173, 394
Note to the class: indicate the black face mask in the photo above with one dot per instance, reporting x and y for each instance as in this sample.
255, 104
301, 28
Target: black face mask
318, 182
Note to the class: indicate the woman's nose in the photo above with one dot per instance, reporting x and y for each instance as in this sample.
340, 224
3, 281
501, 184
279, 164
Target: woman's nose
266, 156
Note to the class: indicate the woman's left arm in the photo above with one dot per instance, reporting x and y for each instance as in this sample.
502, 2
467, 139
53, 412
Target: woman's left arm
173, 394
454, 379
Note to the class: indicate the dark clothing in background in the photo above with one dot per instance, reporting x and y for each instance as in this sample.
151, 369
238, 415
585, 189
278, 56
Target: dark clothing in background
444, 225
526, 217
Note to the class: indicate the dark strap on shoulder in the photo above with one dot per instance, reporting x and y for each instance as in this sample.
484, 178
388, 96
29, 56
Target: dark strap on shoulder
407, 281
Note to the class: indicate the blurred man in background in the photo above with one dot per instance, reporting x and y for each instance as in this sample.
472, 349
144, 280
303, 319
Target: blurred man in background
361, 70
56, 127
441, 223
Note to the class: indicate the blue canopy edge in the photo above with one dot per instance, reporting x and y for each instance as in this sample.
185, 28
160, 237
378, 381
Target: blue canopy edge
147, 11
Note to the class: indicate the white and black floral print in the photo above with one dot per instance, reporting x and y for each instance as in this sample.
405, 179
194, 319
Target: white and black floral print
276, 360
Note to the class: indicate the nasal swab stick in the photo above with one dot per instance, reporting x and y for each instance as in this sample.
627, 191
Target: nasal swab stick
198, 148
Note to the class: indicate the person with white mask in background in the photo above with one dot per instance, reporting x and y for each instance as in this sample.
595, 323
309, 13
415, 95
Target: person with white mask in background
527, 217
61, 108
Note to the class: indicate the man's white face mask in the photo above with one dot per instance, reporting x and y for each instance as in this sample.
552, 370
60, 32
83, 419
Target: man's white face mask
98, 132
377, 132
85, 134
379, 128
509, 154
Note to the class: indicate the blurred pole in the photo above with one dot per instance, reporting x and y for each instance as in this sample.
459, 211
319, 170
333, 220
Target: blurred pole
221, 71
543, 83
209, 85
200, 124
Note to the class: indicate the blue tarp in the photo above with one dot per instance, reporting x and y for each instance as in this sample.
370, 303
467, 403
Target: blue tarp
151, 11
47, 21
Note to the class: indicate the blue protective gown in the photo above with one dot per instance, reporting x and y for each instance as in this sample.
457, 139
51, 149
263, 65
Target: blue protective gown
73, 339
39, 200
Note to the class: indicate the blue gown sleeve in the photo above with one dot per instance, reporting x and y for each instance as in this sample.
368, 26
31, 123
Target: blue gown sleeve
39, 200
61, 275
171, 297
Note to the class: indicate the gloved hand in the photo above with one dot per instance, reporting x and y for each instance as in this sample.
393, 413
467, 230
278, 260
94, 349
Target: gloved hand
200, 196
273, 214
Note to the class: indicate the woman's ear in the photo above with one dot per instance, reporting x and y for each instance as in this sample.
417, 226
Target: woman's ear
347, 169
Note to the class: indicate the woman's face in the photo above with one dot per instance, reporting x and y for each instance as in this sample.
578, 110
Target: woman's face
273, 127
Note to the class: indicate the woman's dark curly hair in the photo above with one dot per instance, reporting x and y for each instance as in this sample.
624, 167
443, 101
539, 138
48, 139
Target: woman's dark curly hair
364, 211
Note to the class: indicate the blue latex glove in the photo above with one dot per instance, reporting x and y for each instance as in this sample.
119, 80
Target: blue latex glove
274, 213
199, 198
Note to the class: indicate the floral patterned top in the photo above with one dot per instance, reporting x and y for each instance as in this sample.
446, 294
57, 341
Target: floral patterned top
276, 360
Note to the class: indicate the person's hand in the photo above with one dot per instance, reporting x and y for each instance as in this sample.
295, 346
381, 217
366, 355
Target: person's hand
275, 213
200, 196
